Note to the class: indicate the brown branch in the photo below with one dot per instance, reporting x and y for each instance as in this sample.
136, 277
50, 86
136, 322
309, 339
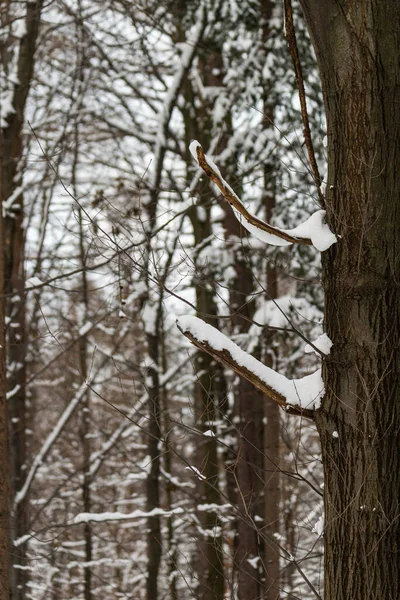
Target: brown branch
224, 357
234, 201
294, 53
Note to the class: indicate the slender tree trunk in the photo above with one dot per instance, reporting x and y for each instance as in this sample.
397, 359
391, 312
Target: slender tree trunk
172, 548
272, 417
84, 429
4, 474
16, 384
154, 542
210, 386
248, 417
11, 143
84, 361
357, 46
272, 491
208, 393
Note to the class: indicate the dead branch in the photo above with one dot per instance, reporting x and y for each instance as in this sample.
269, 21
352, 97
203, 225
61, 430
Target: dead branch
224, 357
234, 201
294, 53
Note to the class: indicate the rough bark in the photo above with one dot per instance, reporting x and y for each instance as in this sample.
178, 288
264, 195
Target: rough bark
358, 46
272, 417
210, 386
209, 396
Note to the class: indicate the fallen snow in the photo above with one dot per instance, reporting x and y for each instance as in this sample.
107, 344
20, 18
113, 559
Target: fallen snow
193, 149
253, 562
149, 317
317, 230
85, 328
314, 228
13, 392
8, 204
306, 392
22, 540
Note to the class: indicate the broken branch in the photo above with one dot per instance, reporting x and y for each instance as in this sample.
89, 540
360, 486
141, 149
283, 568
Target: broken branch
235, 202
225, 357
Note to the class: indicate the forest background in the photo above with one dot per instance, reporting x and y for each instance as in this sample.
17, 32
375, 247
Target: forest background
140, 467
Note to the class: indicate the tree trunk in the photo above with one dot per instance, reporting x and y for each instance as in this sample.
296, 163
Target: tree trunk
210, 386
272, 417
12, 247
272, 476
153, 479
357, 46
210, 394
4, 477
84, 422
249, 416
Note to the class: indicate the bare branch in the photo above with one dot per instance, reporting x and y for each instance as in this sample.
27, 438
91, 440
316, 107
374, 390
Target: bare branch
294, 52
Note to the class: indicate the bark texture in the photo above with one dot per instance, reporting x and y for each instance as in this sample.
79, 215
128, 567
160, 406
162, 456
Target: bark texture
358, 48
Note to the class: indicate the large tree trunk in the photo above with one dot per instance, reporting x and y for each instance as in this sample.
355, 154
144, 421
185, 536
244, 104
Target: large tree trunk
358, 47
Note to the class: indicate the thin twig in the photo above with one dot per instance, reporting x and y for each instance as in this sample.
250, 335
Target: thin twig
294, 53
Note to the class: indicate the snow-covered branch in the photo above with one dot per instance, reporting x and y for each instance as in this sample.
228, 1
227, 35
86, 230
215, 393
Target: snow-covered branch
313, 232
297, 396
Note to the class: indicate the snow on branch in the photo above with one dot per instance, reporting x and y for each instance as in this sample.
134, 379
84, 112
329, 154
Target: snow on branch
313, 232
297, 396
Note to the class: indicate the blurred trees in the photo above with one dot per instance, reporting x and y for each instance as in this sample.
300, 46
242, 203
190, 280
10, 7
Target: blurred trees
139, 467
